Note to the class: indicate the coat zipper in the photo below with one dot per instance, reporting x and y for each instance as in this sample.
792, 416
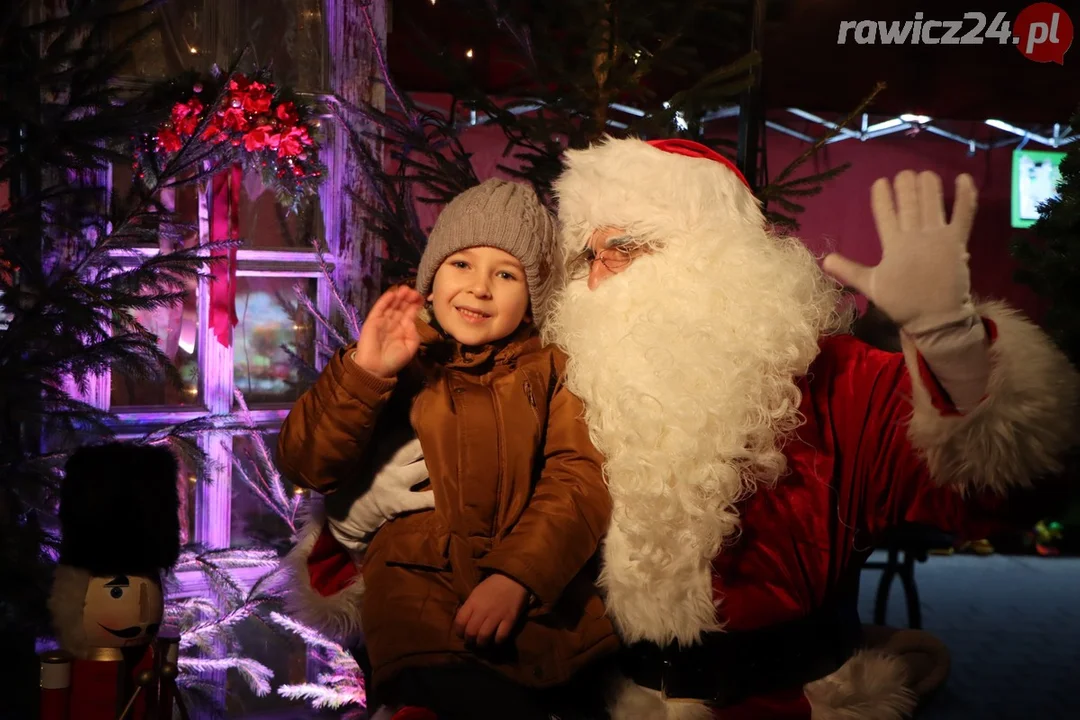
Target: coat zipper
532, 400
499, 455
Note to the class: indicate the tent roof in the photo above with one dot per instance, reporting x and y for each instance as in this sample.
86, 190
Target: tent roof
805, 67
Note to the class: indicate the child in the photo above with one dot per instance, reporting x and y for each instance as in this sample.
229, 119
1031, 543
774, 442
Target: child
486, 605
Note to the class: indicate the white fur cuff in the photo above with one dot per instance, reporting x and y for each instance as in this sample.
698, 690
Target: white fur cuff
1024, 426
336, 616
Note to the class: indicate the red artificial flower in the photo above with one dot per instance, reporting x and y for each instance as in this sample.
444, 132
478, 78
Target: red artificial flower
238, 83
185, 116
168, 140
183, 110
233, 118
212, 130
290, 144
286, 113
256, 99
186, 126
257, 138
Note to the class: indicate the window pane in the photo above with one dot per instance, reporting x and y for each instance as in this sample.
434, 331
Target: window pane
288, 35
187, 483
176, 330
265, 224
269, 318
176, 42
183, 199
254, 521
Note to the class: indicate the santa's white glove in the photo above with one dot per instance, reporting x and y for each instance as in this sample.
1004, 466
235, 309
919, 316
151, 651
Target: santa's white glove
923, 282
354, 523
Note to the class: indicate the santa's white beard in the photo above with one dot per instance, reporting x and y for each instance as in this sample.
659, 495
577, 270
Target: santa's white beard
687, 364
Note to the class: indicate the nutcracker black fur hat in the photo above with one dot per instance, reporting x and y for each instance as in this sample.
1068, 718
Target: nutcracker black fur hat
119, 510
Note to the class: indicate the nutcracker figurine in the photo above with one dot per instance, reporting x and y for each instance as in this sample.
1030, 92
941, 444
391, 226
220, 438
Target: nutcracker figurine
120, 532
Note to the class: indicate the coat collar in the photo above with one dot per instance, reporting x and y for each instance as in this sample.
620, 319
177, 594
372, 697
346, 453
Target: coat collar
438, 348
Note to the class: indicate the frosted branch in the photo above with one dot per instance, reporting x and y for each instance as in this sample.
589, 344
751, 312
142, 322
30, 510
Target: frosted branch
255, 674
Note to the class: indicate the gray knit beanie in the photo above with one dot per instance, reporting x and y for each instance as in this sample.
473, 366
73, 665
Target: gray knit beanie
499, 214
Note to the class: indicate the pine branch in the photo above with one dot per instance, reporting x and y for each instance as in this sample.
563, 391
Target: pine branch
833, 132
322, 697
255, 674
270, 482
346, 310
312, 638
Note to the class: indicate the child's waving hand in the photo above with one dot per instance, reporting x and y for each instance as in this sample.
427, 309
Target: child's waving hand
388, 338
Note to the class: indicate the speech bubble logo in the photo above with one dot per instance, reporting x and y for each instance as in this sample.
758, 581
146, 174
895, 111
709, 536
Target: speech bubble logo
1043, 32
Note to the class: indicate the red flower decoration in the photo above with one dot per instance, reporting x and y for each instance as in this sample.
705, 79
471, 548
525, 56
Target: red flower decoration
291, 143
270, 133
286, 113
211, 132
185, 116
168, 140
234, 119
256, 99
257, 138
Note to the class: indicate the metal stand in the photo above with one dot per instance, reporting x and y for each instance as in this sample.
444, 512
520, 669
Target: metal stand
915, 542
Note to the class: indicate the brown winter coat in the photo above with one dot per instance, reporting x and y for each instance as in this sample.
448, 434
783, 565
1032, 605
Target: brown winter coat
518, 489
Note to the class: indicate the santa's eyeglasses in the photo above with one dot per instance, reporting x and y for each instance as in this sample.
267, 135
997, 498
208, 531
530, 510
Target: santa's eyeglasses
615, 257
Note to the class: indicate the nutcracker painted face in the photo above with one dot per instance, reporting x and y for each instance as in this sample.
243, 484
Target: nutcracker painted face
119, 517
122, 610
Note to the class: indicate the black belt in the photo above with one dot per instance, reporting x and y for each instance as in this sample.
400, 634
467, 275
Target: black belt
727, 668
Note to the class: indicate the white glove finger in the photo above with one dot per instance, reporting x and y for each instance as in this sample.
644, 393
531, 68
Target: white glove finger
931, 200
413, 502
415, 472
965, 205
907, 200
849, 272
881, 202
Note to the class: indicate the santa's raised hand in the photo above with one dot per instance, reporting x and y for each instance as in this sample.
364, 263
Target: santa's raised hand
922, 281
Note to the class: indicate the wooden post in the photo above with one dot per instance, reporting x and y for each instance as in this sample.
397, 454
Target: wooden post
353, 73
751, 109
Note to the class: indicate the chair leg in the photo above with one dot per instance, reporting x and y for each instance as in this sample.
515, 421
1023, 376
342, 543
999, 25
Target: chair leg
911, 592
881, 603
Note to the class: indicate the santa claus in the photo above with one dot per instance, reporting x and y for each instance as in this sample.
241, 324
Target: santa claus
755, 451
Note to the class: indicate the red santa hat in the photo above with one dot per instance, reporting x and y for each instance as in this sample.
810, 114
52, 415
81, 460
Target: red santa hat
663, 189
689, 148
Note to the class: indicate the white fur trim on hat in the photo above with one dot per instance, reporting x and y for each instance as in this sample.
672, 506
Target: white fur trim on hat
656, 195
